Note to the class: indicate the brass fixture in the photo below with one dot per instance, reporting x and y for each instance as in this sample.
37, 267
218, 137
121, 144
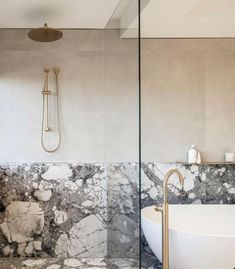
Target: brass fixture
45, 110
45, 34
46, 94
165, 216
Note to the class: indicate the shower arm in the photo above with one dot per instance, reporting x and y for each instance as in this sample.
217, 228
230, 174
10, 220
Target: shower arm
45, 111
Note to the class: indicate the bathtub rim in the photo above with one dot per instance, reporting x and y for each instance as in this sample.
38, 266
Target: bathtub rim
187, 231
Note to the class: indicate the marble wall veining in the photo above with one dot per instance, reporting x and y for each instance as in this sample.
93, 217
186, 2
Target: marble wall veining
204, 184
50, 210
123, 210
80, 210
91, 210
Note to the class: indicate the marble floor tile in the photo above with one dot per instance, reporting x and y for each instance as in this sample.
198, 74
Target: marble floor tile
68, 263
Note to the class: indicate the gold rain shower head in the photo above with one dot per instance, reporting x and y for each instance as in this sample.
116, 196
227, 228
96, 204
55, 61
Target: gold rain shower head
45, 34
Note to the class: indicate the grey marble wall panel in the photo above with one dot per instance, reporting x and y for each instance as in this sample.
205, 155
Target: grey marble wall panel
69, 210
50, 210
204, 184
92, 210
123, 210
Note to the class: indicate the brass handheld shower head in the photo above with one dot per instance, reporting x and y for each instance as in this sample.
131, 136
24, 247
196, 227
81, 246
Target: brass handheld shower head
45, 34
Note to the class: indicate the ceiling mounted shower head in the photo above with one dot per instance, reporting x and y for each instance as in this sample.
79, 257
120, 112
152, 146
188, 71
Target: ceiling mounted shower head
45, 34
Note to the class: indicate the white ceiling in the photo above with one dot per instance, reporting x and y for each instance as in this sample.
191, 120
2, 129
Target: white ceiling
189, 18
159, 18
57, 13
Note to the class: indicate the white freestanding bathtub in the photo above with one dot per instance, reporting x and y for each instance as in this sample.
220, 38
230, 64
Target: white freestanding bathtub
201, 236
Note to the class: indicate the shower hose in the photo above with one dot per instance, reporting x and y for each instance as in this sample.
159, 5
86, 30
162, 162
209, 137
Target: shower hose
45, 111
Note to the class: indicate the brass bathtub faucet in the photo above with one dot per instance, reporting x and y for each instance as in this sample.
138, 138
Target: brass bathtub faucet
165, 216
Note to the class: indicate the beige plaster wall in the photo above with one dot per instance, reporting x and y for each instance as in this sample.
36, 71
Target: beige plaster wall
98, 96
188, 92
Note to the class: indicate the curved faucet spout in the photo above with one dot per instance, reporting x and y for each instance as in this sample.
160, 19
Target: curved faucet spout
166, 179
165, 213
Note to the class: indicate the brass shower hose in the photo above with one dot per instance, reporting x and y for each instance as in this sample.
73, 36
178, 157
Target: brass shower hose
45, 110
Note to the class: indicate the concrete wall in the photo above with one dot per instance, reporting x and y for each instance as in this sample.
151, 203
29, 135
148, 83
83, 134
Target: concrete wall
188, 95
98, 96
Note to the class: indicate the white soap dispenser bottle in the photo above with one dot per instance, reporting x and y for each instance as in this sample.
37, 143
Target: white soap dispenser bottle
199, 159
192, 155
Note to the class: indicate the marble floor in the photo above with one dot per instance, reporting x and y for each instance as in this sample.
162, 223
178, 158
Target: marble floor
68, 263
81, 263
150, 262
